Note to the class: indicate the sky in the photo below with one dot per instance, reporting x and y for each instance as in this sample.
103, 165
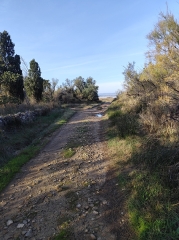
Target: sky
71, 38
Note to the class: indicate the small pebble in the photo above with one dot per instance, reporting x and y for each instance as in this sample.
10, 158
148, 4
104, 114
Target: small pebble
95, 212
9, 222
29, 233
20, 225
78, 205
104, 202
92, 236
86, 207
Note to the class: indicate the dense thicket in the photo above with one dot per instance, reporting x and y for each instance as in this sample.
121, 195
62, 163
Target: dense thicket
154, 91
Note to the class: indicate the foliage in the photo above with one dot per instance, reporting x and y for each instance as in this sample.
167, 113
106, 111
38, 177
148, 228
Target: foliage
63, 235
78, 89
33, 82
6, 51
68, 152
49, 90
86, 89
156, 87
7, 100
11, 80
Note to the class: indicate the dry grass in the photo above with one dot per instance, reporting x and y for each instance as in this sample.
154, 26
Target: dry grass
12, 108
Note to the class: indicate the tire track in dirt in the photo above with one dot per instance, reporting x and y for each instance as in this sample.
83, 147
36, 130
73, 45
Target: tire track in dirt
51, 192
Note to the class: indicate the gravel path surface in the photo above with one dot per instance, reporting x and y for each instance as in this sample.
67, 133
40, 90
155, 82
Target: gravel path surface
52, 192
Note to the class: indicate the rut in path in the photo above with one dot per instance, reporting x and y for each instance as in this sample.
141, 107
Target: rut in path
52, 192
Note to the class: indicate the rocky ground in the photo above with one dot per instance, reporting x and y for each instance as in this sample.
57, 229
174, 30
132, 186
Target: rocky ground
77, 194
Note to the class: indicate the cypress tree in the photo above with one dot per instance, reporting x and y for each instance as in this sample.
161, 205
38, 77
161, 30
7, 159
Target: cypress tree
11, 79
33, 82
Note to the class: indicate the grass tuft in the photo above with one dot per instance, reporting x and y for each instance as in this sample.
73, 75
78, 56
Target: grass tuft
68, 152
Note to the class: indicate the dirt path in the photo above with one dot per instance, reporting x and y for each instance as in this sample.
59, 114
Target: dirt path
53, 193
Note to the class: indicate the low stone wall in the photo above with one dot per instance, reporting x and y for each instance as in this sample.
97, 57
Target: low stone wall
21, 117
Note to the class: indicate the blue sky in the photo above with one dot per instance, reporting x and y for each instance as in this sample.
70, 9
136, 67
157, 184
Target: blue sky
71, 38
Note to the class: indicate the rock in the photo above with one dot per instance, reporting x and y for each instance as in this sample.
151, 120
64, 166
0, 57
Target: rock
95, 208
78, 205
20, 225
24, 222
104, 202
9, 222
24, 232
95, 212
29, 233
90, 200
86, 208
92, 237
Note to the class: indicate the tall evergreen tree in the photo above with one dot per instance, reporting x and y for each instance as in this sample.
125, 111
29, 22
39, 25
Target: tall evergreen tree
33, 82
6, 51
10, 66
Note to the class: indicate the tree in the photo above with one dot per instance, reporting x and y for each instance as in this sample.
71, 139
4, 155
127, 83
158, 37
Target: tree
10, 66
49, 89
86, 89
91, 90
78, 90
33, 82
6, 51
79, 84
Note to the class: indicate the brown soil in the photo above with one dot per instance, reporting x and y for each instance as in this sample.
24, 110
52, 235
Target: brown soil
52, 193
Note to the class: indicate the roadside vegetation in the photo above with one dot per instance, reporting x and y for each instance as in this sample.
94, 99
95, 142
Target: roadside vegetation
19, 145
144, 136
